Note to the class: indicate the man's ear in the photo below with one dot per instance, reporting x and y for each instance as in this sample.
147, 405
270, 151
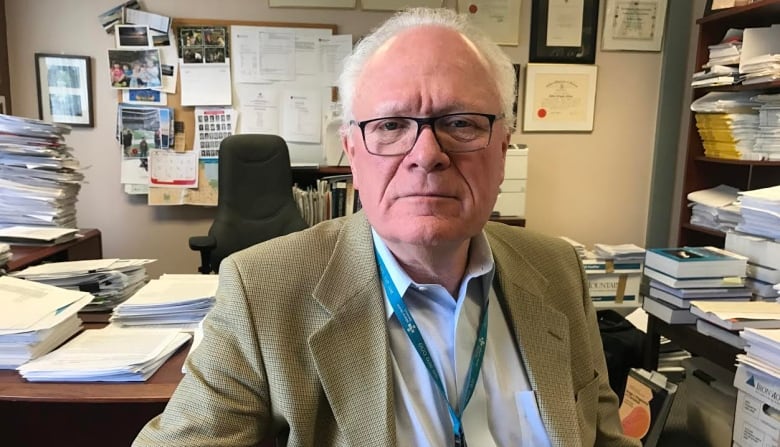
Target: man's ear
348, 146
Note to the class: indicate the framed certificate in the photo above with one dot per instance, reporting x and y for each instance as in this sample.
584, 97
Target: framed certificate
634, 25
559, 97
564, 31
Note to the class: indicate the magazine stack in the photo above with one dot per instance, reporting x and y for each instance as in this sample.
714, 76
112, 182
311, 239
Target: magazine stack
39, 176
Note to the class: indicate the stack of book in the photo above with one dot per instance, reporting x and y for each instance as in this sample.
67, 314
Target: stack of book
111, 354
758, 383
35, 318
180, 301
39, 176
110, 281
679, 275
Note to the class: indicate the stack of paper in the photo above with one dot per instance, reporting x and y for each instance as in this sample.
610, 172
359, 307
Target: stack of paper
727, 51
35, 318
716, 75
768, 136
620, 253
39, 176
715, 208
739, 315
37, 235
110, 281
761, 212
5, 254
111, 354
763, 270
173, 300
760, 61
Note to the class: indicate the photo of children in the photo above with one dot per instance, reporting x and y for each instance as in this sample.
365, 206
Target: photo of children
135, 69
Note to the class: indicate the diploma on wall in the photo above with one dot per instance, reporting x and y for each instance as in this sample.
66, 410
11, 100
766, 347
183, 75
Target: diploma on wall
634, 25
559, 97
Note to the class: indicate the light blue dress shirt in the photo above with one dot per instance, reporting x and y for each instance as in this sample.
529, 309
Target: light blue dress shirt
503, 411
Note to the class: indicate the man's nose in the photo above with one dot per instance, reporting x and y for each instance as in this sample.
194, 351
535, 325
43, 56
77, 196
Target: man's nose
427, 152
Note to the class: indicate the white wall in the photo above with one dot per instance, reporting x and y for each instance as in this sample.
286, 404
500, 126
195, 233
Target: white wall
593, 187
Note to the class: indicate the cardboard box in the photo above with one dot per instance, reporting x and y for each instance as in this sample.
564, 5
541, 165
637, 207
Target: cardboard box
756, 422
753, 425
614, 287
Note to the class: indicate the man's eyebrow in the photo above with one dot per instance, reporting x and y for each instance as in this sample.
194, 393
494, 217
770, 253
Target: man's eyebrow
398, 109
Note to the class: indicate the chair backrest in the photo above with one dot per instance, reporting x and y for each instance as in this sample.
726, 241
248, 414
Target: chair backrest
255, 199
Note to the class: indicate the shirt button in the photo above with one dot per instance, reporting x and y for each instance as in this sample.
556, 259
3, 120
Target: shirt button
422, 288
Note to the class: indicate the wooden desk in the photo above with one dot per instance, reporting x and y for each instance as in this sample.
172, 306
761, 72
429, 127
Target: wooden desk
88, 246
83, 414
687, 337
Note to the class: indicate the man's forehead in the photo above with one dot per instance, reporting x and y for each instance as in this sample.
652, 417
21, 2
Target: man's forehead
433, 38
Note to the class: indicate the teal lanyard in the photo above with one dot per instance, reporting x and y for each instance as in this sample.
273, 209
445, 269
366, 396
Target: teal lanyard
412, 331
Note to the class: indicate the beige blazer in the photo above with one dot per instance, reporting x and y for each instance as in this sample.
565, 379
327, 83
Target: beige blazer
296, 347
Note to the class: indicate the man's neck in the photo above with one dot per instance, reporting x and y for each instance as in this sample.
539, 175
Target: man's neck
444, 265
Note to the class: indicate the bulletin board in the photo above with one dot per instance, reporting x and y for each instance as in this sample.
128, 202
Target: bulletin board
186, 114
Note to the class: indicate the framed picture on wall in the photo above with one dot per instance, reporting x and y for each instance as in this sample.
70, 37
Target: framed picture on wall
564, 31
64, 89
559, 97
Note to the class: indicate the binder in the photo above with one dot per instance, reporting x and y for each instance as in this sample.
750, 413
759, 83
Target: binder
646, 404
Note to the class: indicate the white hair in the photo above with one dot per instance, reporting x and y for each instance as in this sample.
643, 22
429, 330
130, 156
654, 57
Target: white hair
498, 62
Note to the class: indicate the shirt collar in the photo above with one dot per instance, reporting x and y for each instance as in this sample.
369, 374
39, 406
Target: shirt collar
480, 264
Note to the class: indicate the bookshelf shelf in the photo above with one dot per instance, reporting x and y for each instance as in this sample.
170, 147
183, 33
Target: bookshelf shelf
702, 172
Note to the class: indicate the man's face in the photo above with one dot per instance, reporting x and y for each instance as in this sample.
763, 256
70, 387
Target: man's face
427, 197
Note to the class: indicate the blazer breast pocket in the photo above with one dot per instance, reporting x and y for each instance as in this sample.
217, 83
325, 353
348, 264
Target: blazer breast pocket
587, 401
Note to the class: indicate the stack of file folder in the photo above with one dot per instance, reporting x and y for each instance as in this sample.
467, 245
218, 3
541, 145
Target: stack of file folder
110, 281
760, 61
180, 301
39, 176
727, 123
111, 354
35, 318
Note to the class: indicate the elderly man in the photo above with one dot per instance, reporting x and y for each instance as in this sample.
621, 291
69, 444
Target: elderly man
415, 322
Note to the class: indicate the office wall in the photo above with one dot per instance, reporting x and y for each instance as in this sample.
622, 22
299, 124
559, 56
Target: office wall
593, 187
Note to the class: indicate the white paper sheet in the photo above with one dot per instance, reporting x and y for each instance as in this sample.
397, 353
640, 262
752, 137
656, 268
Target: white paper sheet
263, 54
205, 85
302, 115
334, 50
259, 108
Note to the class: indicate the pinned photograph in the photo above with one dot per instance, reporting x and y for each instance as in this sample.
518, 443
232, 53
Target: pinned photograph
203, 45
116, 15
130, 36
135, 69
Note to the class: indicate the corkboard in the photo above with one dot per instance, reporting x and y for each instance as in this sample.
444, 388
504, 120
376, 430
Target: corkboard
186, 114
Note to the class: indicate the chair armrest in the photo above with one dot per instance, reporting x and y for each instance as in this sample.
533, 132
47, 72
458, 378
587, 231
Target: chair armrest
200, 243
204, 244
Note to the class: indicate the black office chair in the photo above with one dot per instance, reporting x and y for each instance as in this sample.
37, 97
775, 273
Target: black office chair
255, 200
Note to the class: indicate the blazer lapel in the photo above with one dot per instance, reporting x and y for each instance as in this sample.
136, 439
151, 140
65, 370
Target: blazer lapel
351, 351
543, 339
